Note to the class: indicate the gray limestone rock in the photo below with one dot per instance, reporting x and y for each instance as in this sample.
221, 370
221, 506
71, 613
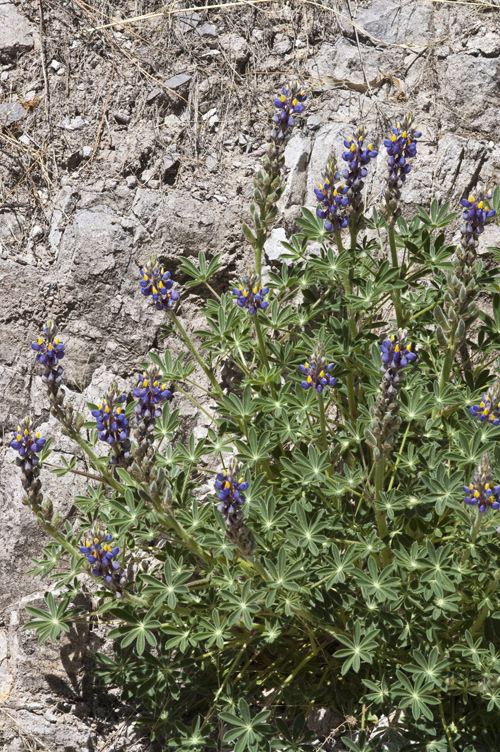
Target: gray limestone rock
16, 33
235, 47
471, 87
11, 112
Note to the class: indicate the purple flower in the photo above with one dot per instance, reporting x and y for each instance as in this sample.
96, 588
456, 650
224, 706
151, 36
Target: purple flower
230, 490
113, 426
482, 492
27, 445
476, 214
101, 556
333, 198
358, 157
50, 351
157, 283
290, 103
489, 407
317, 372
251, 294
401, 147
396, 354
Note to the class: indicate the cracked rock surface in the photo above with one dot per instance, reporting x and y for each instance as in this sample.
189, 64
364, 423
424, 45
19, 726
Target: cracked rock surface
140, 139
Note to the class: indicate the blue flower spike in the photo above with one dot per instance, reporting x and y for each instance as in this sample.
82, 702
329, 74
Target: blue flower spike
289, 103
28, 444
477, 212
230, 488
481, 491
50, 351
488, 409
150, 394
400, 147
317, 372
158, 284
395, 353
113, 426
332, 197
102, 558
250, 295
358, 157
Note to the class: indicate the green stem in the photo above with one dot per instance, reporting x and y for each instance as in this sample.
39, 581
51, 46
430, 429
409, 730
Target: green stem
396, 294
170, 522
195, 402
381, 523
322, 421
447, 366
260, 340
194, 352
445, 727
400, 452
444, 376
351, 396
352, 328
213, 291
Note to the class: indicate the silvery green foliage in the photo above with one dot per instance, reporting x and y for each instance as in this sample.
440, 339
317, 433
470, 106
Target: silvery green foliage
335, 564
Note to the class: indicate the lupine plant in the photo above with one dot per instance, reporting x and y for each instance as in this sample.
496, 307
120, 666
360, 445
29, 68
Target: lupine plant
333, 538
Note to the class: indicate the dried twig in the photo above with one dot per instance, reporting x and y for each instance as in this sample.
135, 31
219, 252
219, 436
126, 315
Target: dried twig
44, 68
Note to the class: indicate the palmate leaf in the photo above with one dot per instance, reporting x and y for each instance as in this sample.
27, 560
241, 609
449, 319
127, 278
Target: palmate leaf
203, 272
52, 623
283, 577
192, 738
135, 627
438, 216
358, 649
258, 448
313, 226
307, 533
415, 694
379, 584
242, 605
250, 732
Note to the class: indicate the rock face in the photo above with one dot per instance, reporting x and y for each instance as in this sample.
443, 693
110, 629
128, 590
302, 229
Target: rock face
135, 169
16, 33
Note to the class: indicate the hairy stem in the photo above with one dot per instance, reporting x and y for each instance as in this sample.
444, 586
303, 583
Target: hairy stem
381, 522
189, 344
322, 421
260, 340
396, 294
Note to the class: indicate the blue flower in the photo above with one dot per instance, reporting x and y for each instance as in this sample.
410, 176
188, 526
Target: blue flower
150, 393
317, 372
358, 158
290, 103
480, 496
481, 491
230, 490
101, 556
401, 147
489, 407
113, 426
157, 283
28, 445
396, 354
333, 198
251, 293
50, 351
476, 214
